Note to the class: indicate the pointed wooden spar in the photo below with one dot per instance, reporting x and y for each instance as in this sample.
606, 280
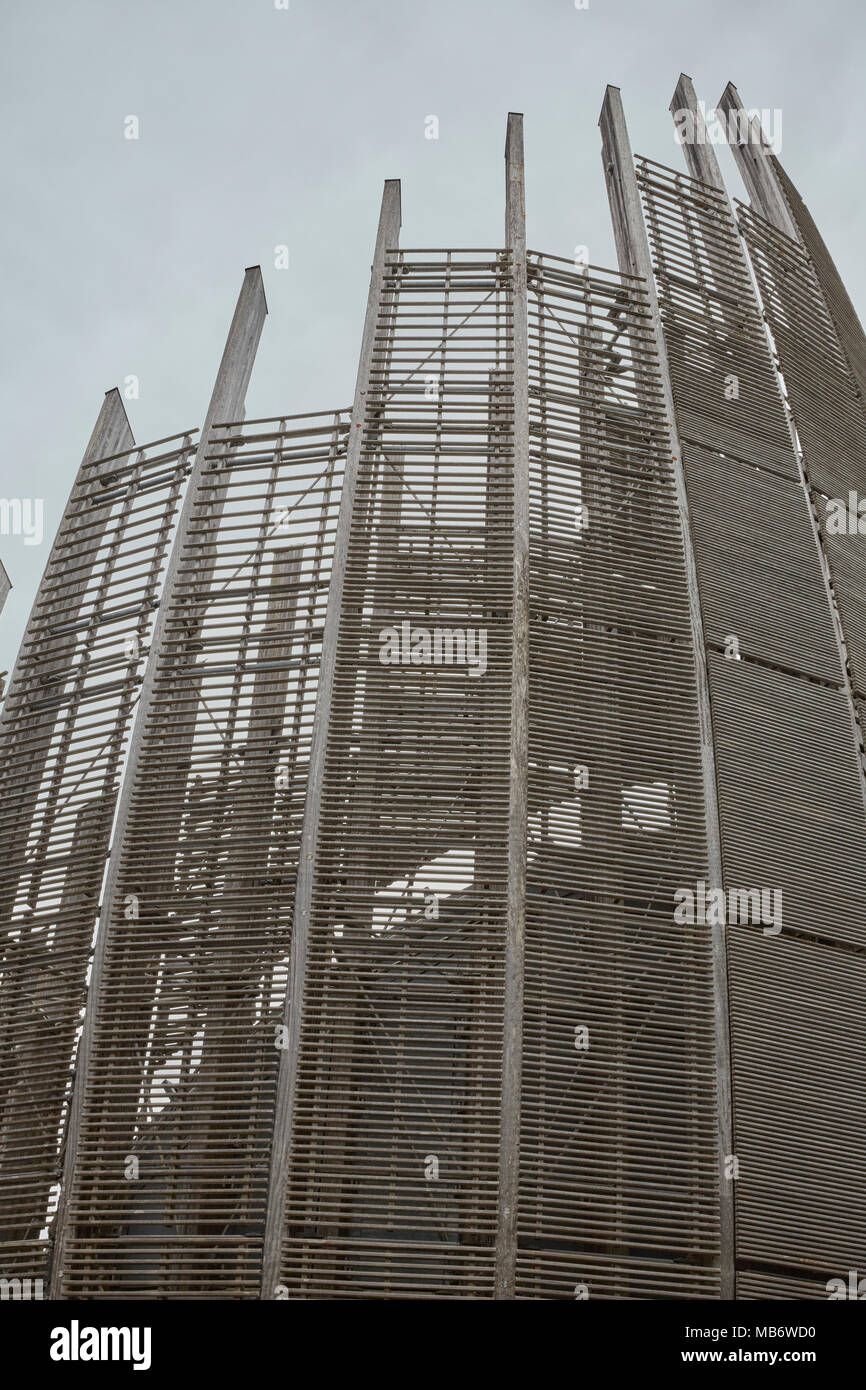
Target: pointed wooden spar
692, 129
387, 239
633, 252
752, 155
226, 404
515, 947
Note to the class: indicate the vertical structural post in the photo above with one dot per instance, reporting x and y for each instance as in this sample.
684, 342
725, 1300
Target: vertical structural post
387, 239
633, 253
752, 156
226, 404
699, 154
515, 940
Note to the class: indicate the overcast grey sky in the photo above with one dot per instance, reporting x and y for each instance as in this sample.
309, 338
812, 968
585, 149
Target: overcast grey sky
261, 127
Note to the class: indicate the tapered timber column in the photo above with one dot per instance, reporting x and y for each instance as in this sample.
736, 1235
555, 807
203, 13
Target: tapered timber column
226, 404
387, 239
633, 254
699, 154
515, 940
753, 161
